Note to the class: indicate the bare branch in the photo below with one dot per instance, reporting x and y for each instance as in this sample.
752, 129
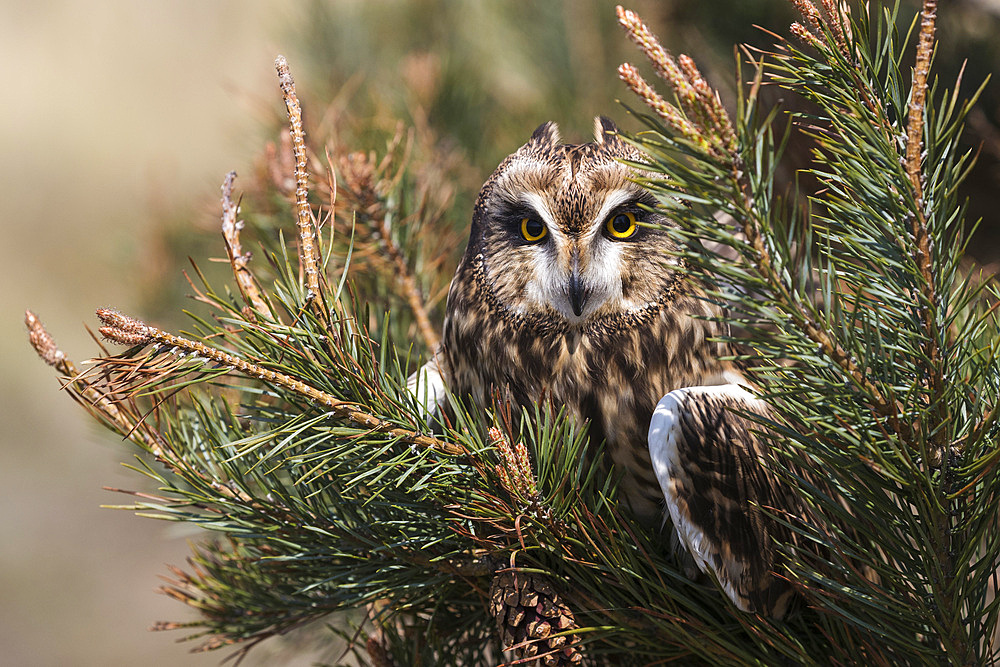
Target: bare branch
914, 150
308, 238
231, 228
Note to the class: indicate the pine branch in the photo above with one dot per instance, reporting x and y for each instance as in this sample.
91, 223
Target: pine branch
126, 330
724, 145
864, 408
96, 402
364, 179
120, 415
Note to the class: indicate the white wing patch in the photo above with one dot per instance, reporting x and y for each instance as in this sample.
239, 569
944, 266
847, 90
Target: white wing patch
666, 439
427, 386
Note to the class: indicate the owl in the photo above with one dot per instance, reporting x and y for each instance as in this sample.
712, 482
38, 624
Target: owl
568, 292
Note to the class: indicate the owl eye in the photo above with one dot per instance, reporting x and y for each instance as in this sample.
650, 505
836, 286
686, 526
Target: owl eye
532, 229
621, 226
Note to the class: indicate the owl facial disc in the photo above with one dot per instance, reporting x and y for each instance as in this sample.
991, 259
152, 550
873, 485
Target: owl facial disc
566, 240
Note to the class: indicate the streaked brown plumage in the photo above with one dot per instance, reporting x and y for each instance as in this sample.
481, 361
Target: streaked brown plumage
559, 296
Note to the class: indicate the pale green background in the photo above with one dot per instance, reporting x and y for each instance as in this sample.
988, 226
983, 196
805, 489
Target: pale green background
108, 110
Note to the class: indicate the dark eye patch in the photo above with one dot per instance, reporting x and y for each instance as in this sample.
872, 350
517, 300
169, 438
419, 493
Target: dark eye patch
521, 225
628, 220
644, 207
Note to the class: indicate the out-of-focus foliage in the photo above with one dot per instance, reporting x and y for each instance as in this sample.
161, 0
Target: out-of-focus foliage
482, 75
485, 74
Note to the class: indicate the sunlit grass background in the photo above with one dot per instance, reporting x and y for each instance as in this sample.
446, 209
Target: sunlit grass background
118, 121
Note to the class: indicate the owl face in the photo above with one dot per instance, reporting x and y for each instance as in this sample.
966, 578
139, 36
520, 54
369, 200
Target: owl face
562, 234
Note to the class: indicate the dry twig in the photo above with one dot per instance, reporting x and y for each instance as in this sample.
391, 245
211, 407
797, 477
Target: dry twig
231, 228
309, 253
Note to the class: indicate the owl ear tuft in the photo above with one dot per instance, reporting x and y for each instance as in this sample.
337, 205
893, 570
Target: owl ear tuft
605, 130
547, 134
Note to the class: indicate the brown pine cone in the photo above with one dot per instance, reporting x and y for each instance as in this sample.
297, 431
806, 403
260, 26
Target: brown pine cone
378, 653
528, 613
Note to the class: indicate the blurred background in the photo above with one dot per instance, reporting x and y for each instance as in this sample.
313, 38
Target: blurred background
116, 118
117, 125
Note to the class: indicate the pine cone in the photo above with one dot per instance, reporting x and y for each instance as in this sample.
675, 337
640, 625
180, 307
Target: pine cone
378, 653
528, 613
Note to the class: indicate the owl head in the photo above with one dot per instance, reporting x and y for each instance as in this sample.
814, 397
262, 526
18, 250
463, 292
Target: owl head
562, 236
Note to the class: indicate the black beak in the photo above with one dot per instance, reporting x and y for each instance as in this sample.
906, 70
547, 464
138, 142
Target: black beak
577, 293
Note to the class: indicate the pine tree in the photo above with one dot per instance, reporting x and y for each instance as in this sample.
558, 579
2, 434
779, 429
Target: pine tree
284, 425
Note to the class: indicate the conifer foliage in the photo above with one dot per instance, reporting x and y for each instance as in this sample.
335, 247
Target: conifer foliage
284, 426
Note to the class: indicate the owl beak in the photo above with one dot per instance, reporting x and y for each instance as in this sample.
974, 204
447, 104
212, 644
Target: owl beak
577, 292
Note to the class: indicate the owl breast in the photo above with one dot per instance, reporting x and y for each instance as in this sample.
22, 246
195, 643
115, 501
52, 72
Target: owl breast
611, 371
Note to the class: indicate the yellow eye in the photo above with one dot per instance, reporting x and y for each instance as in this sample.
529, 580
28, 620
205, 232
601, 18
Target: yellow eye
532, 229
621, 226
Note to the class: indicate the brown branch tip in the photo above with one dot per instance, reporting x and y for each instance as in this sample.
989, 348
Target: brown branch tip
516, 472
700, 116
42, 342
238, 260
123, 329
833, 15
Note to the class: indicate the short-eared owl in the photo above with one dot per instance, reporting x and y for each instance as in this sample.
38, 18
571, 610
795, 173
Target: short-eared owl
568, 292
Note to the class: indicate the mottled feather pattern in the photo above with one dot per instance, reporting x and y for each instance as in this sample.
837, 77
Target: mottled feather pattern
714, 473
612, 373
611, 367
608, 325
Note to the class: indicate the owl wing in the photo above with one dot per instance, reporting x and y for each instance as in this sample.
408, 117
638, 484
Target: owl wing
718, 485
427, 387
